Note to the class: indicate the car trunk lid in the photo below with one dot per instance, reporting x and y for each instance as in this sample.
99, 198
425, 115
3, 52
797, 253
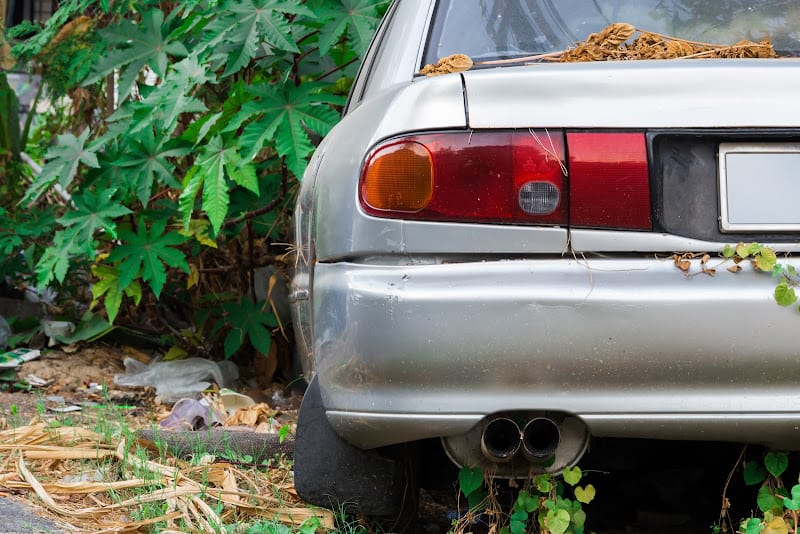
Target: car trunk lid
636, 94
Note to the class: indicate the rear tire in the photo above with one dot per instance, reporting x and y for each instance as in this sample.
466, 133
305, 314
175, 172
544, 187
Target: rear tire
332, 473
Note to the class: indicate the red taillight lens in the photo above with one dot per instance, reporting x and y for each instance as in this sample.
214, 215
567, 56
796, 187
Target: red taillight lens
511, 177
514, 177
609, 184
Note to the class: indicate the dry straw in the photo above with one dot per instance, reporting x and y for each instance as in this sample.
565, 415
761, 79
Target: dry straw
190, 498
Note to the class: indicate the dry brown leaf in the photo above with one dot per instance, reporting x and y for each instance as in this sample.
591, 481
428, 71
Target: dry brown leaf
675, 49
612, 35
735, 268
611, 43
448, 64
66, 453
681, 262
250, 416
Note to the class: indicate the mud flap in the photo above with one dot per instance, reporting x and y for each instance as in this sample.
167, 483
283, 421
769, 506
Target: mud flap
331, 473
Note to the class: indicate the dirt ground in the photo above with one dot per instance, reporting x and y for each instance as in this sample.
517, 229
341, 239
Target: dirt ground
71, 403
73, 378
85, 377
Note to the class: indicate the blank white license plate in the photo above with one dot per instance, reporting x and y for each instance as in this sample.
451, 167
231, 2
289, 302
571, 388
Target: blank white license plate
759, 186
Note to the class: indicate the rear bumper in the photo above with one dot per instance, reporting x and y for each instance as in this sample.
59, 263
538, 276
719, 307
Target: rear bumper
632, 346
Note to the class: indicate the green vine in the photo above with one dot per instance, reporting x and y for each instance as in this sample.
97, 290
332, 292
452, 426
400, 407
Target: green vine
778, 504
550, 504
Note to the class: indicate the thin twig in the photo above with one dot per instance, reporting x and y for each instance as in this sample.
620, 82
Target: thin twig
723, 513
521, 59
336, 69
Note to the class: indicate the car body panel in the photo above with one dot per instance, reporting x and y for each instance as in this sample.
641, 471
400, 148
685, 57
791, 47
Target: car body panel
637, 94
462, 339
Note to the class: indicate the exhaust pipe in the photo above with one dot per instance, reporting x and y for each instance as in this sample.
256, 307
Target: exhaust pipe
500, 440
540, 439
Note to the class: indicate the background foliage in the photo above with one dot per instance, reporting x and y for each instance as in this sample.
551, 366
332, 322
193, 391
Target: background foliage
170, 147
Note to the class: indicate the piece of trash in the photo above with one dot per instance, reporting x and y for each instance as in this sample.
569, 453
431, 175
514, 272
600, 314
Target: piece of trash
232, 400
177, 379
35, 381
57, 329
192, 414
96, 475
14, 358
65, 409
58, 399
88, 404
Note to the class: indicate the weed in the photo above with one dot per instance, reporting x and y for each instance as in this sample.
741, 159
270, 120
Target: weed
779, 504
542, 503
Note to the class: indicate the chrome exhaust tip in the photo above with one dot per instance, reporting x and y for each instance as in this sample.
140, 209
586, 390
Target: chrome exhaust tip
540, 439
501, 440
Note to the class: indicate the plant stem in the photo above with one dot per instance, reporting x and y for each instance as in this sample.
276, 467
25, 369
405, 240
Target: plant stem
337, 69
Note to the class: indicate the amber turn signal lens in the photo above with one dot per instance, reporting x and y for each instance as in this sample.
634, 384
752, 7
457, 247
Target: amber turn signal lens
398, 177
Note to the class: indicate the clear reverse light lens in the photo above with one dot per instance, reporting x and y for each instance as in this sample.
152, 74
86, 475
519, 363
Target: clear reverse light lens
539, 198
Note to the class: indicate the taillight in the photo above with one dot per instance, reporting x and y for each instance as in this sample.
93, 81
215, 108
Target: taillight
515, 177
609, 184
512, 177
399, 177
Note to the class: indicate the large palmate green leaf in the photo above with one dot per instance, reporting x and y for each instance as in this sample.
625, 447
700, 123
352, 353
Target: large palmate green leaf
357, 19
146, 160
148, 251
93, 212
133, 47
55, 261
107, 287
249, 321
283, 113
62, 163
217, 163
244, 25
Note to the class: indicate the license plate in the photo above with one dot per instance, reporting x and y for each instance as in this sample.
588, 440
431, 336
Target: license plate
759, 186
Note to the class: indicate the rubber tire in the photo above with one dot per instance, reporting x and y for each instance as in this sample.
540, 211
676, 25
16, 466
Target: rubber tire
332, 473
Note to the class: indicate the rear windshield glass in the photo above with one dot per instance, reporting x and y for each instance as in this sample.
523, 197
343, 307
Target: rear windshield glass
500, 29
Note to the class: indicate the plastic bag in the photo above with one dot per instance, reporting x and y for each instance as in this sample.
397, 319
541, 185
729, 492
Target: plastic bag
193, 414
177, 379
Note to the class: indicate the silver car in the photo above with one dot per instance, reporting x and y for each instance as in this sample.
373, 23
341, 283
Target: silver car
505, 260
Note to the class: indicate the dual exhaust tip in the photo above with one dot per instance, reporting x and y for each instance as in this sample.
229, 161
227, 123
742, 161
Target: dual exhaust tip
502, 439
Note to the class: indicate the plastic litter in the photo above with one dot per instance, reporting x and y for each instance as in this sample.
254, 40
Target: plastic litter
37, 382
193, 414
177, 379
14, 358
232, 400
57, 329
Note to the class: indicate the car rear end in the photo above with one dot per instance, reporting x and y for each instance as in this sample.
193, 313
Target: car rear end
519, 256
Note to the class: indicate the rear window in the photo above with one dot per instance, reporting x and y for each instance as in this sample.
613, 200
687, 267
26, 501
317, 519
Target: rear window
504, 29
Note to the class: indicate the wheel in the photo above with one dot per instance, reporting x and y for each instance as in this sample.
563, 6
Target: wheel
332, 473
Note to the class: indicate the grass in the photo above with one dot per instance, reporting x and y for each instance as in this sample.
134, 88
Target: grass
143, 487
